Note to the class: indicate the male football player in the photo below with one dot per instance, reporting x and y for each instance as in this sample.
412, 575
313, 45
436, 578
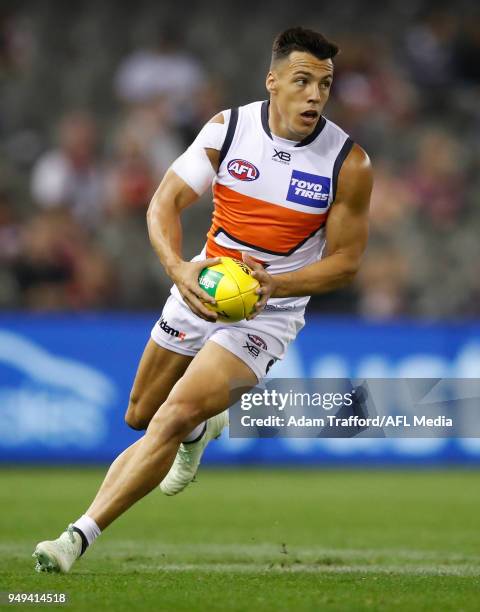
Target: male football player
291, 193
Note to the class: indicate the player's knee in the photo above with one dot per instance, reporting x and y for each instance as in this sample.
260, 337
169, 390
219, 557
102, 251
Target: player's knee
135, 422
134, 416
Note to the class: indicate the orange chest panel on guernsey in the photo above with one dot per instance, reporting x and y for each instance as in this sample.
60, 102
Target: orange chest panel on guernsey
272, 197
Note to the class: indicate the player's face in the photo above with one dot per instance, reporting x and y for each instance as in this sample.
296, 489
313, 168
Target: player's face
299, 87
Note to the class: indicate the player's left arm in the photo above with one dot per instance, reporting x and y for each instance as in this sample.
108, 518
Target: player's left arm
346, 237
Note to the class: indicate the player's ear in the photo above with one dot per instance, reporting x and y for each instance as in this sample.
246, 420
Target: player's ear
271, 83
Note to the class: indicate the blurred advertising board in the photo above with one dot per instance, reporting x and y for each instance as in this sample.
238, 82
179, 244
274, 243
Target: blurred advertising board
65, 381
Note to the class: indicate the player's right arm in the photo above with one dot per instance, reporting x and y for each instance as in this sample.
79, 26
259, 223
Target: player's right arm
197, 165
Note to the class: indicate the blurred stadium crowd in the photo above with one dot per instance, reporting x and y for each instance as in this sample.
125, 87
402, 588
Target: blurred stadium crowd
97, 99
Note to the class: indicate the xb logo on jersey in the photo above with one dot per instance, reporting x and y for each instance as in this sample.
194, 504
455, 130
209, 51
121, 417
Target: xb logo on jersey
282, 156
243, 170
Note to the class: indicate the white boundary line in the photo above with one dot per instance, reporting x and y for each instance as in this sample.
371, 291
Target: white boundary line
301, 568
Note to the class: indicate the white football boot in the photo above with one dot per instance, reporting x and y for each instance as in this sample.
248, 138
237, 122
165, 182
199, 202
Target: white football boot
58, 555
189, 455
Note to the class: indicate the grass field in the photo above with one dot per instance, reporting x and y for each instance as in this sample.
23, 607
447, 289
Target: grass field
257, 540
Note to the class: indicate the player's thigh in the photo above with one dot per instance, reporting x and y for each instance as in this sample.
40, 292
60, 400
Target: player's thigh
211, 382
158, 371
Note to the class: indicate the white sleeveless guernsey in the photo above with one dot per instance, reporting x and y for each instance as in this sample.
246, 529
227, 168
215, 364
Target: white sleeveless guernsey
272, 197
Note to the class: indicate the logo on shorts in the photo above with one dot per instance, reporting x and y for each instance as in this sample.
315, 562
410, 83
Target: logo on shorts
278, 308
270, 364
256, 343
260, 342
243, 170
252, 349
309, 189
171, 331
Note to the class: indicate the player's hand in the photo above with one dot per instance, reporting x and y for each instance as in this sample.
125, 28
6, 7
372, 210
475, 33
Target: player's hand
185, 276
267, 284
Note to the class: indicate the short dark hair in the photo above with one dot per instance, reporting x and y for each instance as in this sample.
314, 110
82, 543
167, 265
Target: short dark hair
301, 39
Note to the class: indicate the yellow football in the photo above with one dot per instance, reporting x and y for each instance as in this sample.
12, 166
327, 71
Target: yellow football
232, 285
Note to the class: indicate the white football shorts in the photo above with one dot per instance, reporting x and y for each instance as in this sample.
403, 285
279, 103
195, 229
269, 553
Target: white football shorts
259, 343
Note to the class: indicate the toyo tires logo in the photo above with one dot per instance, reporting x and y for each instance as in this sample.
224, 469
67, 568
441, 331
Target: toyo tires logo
243, 170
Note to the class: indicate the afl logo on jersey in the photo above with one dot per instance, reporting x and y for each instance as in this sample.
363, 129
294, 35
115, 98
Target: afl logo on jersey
243, 170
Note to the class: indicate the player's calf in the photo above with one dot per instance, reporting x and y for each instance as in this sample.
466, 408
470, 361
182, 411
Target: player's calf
157, 374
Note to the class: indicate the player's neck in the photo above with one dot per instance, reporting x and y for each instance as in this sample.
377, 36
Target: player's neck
283, 141
278, 127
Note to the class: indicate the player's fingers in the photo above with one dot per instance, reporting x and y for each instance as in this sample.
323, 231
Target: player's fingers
200, 293
251, 263
191, 287
261, 303
195, 287
262, 276
197, 312
265, 291
259, 306
200, 309
206, 263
